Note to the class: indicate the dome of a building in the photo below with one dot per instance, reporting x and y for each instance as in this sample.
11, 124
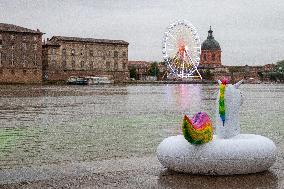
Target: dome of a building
210, 43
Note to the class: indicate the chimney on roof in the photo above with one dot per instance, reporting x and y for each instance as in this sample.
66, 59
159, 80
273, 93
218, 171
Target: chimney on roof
37, 30
47, 39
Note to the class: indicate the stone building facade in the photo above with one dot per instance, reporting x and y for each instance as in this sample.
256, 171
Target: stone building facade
248, 73
72, 56
20, 54
210, 52
141, 68
210, 66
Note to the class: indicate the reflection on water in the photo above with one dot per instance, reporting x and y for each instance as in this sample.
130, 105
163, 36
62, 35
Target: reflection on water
56, 124
186, 97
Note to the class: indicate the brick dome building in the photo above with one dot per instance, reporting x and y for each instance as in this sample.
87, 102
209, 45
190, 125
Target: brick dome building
210, 52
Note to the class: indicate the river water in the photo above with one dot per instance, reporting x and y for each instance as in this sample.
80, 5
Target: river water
41, 125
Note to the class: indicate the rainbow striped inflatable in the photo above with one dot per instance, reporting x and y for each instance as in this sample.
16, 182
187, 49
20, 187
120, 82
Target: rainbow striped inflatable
222, 101
198, 130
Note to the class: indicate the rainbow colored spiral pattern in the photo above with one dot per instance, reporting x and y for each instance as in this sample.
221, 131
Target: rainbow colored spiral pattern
222, 111
198, 130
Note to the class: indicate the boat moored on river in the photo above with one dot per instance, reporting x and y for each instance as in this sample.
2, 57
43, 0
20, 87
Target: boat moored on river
73, 80
88, 80
99, 80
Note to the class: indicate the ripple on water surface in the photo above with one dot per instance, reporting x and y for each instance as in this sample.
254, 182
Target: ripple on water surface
57, 124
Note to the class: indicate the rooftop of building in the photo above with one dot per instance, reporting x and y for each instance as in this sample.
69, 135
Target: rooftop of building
13, 28
55, 39
210, 43
138, 63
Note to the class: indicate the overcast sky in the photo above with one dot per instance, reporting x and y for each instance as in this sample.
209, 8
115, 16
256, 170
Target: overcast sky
249, 31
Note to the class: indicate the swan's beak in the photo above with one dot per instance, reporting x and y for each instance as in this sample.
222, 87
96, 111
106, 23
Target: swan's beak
238, 84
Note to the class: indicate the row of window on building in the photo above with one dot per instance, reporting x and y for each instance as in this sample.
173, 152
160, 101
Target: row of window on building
24, 61
91, 53
13, 59
24, 45
24, 38
90, 65
213, 57
12, 72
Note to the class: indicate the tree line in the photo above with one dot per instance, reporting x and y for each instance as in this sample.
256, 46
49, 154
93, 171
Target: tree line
151, 70
275, 75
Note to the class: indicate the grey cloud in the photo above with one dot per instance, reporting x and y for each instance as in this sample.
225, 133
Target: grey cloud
249, 32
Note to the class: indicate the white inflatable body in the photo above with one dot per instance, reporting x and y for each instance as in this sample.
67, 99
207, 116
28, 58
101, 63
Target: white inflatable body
228, 153
242, 154
233, 101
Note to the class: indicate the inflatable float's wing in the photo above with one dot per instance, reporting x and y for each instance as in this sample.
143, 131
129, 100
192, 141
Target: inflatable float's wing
198, 130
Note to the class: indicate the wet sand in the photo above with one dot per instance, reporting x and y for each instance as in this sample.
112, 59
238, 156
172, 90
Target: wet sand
143, 172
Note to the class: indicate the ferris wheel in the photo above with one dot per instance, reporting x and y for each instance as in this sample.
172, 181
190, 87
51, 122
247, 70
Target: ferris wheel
181, 50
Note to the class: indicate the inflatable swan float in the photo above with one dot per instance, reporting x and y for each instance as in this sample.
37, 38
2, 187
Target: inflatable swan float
198, 151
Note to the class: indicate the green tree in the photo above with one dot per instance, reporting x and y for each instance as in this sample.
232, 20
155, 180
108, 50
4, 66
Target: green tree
154, 69
276, 76
208, 75
278, 73
260, 74
133, 72
280, 66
